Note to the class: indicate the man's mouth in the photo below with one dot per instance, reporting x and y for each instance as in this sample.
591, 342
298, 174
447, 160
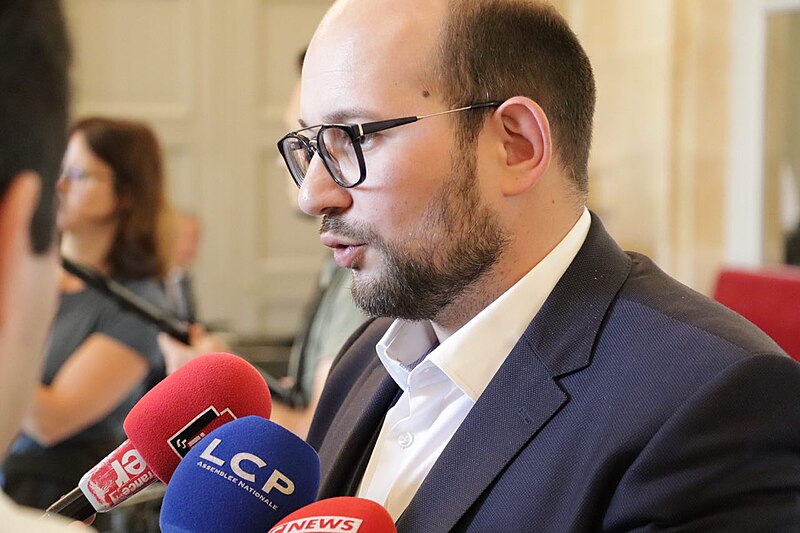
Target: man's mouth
345, 251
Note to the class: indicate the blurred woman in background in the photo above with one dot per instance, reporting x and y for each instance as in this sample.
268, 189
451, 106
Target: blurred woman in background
99, 357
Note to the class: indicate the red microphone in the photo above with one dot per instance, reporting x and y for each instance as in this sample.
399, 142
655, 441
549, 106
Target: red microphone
344, 514
163, 426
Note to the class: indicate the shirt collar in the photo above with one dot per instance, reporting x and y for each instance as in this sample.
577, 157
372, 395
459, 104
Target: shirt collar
402, 345
473, 354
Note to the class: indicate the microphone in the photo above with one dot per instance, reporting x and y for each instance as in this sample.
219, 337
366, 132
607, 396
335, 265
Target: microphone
129, 300
242, 477
345, 514
162, 427
162, 319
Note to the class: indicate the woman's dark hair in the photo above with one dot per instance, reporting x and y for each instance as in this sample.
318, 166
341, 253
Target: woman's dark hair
132, 151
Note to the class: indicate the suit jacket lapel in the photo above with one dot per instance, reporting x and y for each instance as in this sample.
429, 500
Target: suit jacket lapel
351, 434
558, 341
485, 442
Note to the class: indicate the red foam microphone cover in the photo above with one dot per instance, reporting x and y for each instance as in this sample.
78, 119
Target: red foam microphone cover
191, 402
345, 514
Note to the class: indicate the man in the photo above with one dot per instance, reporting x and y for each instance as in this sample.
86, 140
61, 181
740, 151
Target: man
178, 284
792, 253
33, 124
530, 375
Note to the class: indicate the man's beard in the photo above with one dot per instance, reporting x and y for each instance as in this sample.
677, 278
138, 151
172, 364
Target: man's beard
456, 241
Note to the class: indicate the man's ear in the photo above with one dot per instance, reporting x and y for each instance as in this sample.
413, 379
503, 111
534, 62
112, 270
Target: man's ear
526, 143
16, 212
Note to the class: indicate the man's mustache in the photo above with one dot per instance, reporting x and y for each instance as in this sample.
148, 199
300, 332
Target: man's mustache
336, 224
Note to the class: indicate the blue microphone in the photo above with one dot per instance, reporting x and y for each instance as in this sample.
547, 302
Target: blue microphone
244, 476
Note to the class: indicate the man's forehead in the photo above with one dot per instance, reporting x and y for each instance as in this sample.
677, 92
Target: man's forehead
353, 89
356, 30
355, 53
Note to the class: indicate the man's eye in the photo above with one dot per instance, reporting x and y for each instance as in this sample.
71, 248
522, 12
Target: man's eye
369, 141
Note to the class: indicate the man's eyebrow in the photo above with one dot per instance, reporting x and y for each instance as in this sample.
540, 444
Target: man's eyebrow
345, 116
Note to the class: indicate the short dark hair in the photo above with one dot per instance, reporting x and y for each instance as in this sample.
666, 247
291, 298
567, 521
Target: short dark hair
34, 93
132, 151
496, 49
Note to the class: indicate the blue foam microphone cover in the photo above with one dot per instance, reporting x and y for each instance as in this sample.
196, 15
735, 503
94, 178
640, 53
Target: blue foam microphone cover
244, 476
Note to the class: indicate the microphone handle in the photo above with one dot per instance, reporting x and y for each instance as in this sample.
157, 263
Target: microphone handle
72, 505
129, 300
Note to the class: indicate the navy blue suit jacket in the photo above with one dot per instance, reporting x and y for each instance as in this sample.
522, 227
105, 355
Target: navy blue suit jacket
631, 403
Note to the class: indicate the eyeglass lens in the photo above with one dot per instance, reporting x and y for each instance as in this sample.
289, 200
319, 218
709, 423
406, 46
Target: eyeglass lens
298, 156
337, 151
340, 155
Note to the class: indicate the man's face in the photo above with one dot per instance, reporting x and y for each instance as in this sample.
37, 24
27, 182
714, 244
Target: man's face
290, 114
415, 233
187, 240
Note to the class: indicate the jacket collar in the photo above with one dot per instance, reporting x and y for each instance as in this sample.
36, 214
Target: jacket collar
558, 341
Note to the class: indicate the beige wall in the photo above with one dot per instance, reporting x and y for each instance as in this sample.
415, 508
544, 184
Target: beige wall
699, 138
658, 167
212, 78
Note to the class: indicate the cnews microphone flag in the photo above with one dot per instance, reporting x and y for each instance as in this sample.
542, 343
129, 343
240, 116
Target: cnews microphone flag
242, 477
344, 514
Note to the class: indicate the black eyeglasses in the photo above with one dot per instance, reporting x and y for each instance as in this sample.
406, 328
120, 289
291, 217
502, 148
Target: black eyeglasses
74, 174
340, 146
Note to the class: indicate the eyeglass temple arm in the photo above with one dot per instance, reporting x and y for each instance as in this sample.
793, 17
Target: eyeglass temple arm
374, 127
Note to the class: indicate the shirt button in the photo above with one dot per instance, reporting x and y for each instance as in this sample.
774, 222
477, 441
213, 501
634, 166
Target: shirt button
405, 440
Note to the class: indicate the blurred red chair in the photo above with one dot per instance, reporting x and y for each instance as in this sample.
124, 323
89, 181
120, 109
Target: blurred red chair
769, 298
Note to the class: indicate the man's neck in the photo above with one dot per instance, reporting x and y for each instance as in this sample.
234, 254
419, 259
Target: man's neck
522, 255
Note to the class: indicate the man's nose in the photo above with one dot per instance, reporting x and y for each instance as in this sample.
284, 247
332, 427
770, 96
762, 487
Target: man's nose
319, 194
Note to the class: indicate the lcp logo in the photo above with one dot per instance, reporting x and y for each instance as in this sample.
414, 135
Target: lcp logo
245, 465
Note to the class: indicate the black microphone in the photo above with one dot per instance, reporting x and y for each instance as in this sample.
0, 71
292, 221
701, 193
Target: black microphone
129, 300
164, 320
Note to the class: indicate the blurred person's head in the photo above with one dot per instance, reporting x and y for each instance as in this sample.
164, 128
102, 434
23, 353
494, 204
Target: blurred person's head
34, 56
186, 240
113, 181
291, 115
442, 215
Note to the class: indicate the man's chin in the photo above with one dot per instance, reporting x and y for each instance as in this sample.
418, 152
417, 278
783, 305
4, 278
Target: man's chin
366, 263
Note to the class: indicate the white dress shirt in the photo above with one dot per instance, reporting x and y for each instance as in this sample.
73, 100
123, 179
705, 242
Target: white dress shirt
439, 392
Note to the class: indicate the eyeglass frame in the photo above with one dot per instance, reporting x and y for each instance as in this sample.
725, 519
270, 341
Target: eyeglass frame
356, 133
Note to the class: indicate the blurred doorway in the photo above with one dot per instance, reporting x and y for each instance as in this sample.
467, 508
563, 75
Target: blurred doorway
782, 137
763, 205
